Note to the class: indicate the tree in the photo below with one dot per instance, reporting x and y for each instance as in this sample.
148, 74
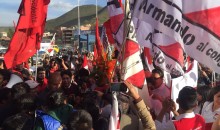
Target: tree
10, 32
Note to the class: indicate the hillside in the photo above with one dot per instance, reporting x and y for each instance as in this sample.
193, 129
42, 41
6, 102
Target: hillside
87, 15
5, 29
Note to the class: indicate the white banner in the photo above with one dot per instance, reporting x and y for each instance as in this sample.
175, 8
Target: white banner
166, 63
199, 40
188, 79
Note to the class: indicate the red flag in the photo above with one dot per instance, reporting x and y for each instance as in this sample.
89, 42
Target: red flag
27, 37
85, 62
107, 26
32, 13
99, 46
95, 53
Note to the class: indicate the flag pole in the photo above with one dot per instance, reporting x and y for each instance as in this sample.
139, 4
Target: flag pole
79, 25
126, 27
122, 49
96, 9
36, 66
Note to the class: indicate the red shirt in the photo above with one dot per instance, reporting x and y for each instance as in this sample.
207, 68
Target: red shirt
41, 87
194, 123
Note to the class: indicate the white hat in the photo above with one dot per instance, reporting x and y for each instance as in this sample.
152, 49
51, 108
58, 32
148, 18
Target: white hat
32, 83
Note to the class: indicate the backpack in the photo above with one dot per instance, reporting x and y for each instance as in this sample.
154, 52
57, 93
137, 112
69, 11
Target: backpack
49, 122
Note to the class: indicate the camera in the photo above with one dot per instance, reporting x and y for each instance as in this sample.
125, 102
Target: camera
119, 87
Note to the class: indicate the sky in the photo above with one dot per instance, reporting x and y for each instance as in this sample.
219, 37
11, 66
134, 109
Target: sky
8, 9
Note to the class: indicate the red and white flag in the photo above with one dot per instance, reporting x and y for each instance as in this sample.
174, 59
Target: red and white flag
194, 25
116, 15
114, 123
85, 62
132, 66
168, 54
52, 42
148, 58
107, 25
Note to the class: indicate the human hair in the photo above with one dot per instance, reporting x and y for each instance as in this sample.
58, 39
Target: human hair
54, 76
66, 72
159, 71
204, 92
19, 89
52, 60
26, 103
41, 69
187, 98
55, 99
6, 74
90, 105
213, 91
17, 122
65, 57
4, 94
80, 120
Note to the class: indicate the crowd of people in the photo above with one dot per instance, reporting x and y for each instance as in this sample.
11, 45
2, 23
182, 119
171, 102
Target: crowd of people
66, 96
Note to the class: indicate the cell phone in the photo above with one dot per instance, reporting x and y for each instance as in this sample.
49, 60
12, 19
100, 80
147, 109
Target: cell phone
119, 87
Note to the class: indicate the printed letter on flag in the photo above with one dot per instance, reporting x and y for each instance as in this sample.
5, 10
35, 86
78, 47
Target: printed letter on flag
194, 24
27, 37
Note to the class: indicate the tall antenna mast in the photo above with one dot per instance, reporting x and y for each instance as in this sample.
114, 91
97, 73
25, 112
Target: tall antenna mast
78, 19
96, 9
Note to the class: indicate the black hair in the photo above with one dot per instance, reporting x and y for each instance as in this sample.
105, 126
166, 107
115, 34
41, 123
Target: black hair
26, 103
19, 89
159, 71
55, 99
6, 74
83, 72
17, 122
90, 105
65, 57
51, 60
80, 120
66, 72
213, 91
187, 98
4, 94
204, 92
41, 69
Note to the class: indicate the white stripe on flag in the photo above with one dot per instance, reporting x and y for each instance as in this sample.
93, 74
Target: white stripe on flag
114, 11
195, 5
199, 43
131, 65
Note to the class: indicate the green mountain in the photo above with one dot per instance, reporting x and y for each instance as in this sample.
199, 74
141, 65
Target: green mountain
5, 29
70, 19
